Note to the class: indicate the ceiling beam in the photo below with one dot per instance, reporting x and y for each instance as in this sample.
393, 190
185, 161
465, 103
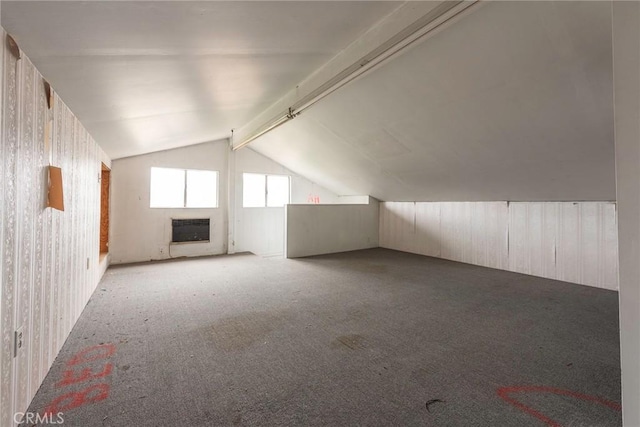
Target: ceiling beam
379, 44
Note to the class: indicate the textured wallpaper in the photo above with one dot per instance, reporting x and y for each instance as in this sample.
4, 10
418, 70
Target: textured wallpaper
48, 258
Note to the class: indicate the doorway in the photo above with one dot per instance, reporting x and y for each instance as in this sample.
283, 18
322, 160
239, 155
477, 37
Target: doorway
104, 210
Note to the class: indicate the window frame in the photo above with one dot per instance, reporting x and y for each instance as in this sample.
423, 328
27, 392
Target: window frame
266, 189
186, 188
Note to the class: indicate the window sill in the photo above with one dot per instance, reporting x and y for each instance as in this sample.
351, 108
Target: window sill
189, 243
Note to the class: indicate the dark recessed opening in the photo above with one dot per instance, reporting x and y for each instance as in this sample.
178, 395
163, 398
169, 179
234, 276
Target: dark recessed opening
190, 230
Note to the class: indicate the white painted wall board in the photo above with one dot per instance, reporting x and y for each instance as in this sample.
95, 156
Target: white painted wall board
569, 241
532, 235
407, 229
590, 243
520, 261
323, 229
474, 232
4, 190
428, 229
9, 159
611, 239
626, 66
262, 231
490, 234
396, 225
456, 231
352, 200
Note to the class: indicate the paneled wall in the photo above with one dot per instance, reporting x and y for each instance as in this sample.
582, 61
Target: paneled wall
49, 259
626, 67
570, 241
472, 232
574, 242
325, 229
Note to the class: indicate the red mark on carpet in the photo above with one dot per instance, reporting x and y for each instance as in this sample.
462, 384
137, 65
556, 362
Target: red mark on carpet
90, 354
78, 374
504, 393
69, 377
72, 400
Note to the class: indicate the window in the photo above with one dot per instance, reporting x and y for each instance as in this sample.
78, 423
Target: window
183, 188
259, 191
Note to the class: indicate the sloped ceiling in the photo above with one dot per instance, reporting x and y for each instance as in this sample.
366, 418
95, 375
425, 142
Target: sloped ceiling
513, 102
144, 76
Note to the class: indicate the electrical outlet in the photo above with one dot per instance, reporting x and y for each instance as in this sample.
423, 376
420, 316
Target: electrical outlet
18, 342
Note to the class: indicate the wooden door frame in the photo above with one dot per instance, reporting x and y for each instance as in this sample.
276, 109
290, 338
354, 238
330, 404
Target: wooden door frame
105, 190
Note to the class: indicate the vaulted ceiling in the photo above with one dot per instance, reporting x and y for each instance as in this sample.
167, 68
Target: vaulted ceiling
511, 102
144, 76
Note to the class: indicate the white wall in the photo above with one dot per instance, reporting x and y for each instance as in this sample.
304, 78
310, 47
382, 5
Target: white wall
472, 232
261, 230
323, 229
626, 66
48, 259
575, 242
141, 233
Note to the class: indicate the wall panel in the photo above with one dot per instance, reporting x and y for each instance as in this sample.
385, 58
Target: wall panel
455, 231
3, 191
45, 281
24, 255
489, 234
261, 231
9, 159
399, 223
532, 238
324, 229
427, 229
587, 244
571, 241
474, 232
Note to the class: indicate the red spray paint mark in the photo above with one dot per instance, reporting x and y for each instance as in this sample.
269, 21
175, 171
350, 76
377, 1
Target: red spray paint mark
69, 376
504, 393
72, 400
313, 199
90, 354
91, 394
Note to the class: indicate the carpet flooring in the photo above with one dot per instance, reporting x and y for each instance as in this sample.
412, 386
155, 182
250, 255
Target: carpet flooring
370, 338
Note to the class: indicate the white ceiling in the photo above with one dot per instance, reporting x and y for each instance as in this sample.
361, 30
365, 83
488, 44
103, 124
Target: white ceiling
151, 75
513, 102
